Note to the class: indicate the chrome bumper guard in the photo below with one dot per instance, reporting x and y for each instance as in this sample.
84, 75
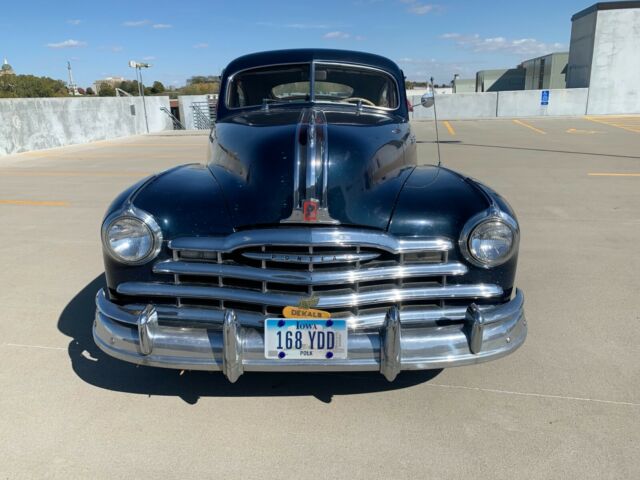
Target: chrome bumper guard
487, 333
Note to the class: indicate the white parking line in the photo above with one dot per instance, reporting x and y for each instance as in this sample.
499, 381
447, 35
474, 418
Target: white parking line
530, 394
20, 345
436, 385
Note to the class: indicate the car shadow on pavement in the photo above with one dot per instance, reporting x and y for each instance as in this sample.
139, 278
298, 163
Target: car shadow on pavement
99, 369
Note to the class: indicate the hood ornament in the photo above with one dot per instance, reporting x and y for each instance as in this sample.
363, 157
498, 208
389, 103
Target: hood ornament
311, 170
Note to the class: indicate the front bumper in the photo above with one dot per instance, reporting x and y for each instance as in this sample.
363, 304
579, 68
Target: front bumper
486, 334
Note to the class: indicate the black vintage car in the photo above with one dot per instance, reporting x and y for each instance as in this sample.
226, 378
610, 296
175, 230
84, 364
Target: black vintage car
312, 240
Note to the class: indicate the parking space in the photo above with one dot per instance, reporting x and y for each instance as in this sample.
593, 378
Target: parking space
566, 405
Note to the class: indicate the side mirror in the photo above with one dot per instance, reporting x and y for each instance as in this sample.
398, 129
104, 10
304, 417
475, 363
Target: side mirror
427, 99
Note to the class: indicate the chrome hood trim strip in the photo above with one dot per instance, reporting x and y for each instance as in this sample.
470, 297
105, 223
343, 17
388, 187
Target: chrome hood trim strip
311, 170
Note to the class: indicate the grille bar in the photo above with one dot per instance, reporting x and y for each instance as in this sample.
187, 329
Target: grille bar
305, 277
318, 237
378, 296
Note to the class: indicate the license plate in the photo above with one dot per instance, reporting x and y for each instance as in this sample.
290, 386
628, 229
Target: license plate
302, 339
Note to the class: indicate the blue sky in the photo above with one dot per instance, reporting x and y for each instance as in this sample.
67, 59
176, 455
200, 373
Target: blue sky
182, 38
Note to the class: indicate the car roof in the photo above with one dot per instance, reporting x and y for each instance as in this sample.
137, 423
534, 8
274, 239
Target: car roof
303, 55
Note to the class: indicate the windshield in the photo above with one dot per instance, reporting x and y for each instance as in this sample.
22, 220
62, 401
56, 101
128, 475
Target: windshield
334, 83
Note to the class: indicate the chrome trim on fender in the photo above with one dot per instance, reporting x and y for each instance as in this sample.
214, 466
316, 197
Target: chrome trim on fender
316, 236
378, 296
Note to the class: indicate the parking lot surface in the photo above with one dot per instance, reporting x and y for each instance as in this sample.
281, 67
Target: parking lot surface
566, 405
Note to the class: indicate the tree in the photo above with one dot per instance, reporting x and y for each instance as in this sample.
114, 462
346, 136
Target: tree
26, 86
89, 91
203, 79
157, 87
82, 91
201, 88
129, 86
107, 90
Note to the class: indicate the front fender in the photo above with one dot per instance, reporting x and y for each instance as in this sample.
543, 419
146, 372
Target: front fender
437, 202
185, 201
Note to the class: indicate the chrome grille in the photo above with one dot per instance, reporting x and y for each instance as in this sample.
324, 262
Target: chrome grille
351, 273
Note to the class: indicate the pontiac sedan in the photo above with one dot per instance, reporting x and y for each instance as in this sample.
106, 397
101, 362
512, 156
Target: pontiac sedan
311, 240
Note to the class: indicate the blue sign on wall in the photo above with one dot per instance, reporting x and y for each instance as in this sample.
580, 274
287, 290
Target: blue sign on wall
544, 97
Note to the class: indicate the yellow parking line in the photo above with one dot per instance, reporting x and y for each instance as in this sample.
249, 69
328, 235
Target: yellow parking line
72, 174
452, 132
34, 203
614, 174
613, 122
537, 130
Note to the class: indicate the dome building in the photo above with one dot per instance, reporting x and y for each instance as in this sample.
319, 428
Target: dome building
6, 69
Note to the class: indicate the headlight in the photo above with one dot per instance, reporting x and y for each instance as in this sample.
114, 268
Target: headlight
490, 241
132, 237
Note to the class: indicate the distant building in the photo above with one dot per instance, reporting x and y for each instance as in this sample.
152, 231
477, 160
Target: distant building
463, 85
6, 69
604, 55
548, 71
499, 80
112, 81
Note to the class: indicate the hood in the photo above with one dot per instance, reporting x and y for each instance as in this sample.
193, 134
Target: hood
260, 159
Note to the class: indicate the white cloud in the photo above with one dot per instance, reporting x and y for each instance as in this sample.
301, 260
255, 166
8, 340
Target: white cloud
136, 23
297, 26
162, 25
201, 45
116, 48
519, 46
336, 35
67, 44
148, 58
74, 21
421, 69
418, 8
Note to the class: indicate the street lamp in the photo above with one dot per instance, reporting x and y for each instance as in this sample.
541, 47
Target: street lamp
139, 66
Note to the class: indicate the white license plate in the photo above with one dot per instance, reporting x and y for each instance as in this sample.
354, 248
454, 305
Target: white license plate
302, 339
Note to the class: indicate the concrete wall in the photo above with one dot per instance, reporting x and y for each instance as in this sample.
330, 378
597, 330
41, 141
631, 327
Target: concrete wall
614, 85
526, 103
583, 31
37, 123
520, 103
459, 106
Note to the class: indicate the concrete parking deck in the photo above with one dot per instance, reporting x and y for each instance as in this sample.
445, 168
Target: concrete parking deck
566, 405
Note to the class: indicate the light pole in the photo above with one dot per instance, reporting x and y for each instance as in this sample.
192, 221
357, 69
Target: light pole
139, 66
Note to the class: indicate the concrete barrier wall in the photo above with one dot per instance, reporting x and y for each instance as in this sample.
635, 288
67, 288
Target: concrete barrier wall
526, 103
458, 106
38, 123
518, 103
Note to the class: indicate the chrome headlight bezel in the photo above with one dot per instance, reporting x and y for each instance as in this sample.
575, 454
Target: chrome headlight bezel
147, 221
491, 215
